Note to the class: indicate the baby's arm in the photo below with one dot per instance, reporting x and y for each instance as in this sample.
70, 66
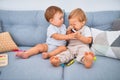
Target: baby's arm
63, 37
69, 30
86, 40
54, 52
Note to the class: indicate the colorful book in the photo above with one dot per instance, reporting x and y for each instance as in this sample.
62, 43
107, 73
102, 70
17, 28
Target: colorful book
3, 59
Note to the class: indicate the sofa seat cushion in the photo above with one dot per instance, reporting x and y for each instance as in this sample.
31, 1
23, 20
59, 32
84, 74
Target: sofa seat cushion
34, 68
103, 69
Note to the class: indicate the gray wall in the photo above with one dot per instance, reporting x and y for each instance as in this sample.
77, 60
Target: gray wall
68, 5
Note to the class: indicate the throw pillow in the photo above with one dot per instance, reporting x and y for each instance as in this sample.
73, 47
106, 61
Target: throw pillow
107, 43
6, 42
116, 25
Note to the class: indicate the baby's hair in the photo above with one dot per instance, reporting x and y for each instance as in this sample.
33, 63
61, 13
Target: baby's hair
51, 11
79, 14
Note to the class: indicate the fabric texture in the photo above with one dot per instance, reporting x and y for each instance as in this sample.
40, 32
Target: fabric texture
27, 28
107, 43
7, 43
116, 25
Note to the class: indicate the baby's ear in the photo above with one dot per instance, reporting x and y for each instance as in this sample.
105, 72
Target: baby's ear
51, 20
83, 22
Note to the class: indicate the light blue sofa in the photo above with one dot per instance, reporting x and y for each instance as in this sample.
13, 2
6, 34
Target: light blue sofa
28, 28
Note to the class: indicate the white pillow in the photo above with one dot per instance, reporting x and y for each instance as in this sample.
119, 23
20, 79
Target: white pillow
106, 43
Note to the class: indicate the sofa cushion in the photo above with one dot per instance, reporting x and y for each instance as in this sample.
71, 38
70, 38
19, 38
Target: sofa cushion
106, 43
103, 20
27, 28
34, 68
0, 27
104, 68
7, 43
116, 25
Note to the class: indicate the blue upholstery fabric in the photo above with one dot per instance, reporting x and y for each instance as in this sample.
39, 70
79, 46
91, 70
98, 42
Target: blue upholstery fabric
103, 69
27, 27
0, 27
103, 20
34, 68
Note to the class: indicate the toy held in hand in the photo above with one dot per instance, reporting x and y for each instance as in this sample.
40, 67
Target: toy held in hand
73, 30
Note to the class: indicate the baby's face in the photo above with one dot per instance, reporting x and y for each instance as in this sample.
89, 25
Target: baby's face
77, 25
57, 20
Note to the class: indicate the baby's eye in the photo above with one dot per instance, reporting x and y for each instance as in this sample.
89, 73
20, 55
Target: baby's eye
61, 18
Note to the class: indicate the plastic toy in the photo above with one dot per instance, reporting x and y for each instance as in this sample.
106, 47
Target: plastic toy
70, 62
95, 58
63, 65
73, 30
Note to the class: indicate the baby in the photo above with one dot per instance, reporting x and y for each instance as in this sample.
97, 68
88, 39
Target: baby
56, 36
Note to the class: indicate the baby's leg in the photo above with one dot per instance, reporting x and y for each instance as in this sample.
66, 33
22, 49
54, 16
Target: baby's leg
54, 52
63, 57
33, 51
85, 56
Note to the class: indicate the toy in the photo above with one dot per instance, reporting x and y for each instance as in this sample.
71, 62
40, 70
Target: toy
3, 59
95, 58
73, 30
70, 62
62, 65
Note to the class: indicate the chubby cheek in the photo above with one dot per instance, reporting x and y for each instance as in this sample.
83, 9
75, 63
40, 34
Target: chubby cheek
59, 23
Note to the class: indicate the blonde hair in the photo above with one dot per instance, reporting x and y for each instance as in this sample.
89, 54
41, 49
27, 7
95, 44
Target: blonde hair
79, 14
51, 11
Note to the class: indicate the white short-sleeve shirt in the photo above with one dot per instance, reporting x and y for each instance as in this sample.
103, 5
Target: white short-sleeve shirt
52, 30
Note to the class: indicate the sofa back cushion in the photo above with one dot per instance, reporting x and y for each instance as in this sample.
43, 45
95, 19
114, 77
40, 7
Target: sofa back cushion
0, 27
103, 20
27, 28
116, 25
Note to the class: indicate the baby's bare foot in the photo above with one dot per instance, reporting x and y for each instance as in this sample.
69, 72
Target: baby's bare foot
22, 55
88, 59
45, 55
19, 54
55, 61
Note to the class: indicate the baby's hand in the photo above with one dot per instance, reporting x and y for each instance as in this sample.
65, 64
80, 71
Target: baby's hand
72, 35
70, 27
77, 35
